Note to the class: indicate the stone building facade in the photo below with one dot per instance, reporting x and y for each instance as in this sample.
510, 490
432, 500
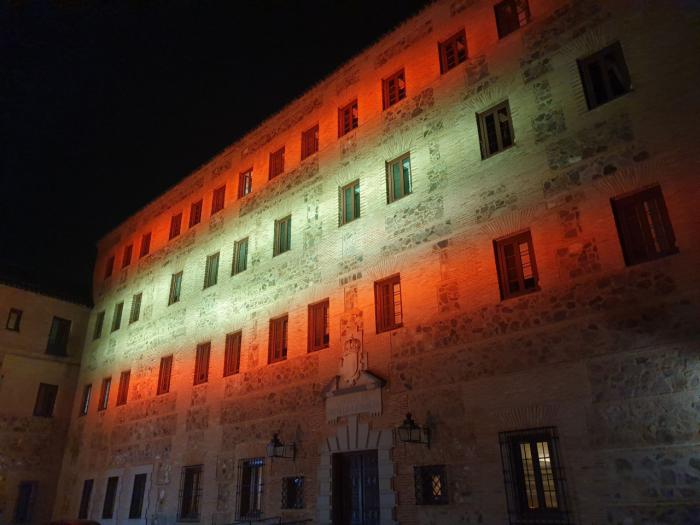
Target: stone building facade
487, 219
41, 342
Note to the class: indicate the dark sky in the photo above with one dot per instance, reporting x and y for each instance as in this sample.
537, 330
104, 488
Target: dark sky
104, 105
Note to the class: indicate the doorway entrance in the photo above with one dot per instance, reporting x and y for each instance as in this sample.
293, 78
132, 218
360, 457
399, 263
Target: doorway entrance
355, 488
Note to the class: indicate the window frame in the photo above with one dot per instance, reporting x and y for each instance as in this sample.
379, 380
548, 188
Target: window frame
201, 363
195, 213
587, 82
175, 288
390, 187
484, 142
245, 183
85, 400
236, 266
211, 270
356, 208
126, 255
423, 481
145, 248
109, 267
386, 322
451, 44
99, 325
175, 226
322, 309
117, 316
255, 488
309, 142
348, 118
292, 499
137, 498
135, 310
15, 315
165, 372
45, 403
521, 8
275, 166
232, 353
278, 339
123, 389
218, 199
282, 245
85, 498
24, 503
393, 91
499, 246
109, 503
59, 337
189, 500
103, 402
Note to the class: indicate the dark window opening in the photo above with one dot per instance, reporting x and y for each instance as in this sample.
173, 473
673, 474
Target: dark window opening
318, 326
110, 498
250, 488
293, 492
14, 319
85, 499
123, 391
309, 142
453, 51
393, 89
276, 165
347, 118
45, 400
283, 235
175, 287
135, 308
515, 262
240, 256
245, 183
166, 366
190, 492
117, 317
217, 199
99, 323
511, 15
604, 75
278, 339
211, 270
137, 496
232, 354
201, 364
58, 337
109, 267
126, 257
175, 225
387, 304
85, 401
495, 129
195, 213
430, 485
104, 394
26, 494
145, 244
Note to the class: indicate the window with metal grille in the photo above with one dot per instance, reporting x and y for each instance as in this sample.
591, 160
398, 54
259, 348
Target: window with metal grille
145, 244
387, 303
293, 492
85, 401
45, 400
123, 391
217, 199
453, 51
175, 225
604, 75
347, 118
117, 316
349, 202
135, 308
245, 183
431, 485
126, 257
109, 267
99, 323
85, 499
13, 319
309, 142
104, 393
175, 287
240, 256
283, 235
166, 367
277, 344
137, 496
398, 178
58, 337
232, 353
393, 89
211, 270
250, 488
190, 492
495, 129
534, 478
110, 498
318, 326
643, 226
195, 213
515, 261
276, 164
201, 363
511, 15
26, 494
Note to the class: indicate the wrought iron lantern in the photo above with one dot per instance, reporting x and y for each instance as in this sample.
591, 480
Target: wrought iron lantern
411, 432
277, 449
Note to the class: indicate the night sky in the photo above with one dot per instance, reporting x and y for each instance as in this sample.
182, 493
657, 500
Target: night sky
105, 105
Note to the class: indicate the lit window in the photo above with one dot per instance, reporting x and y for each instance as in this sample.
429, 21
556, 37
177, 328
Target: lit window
453, 51
309, 142
318, 326
398, 178
515, 261
277, 344
393, 89
276, 166
283, 235
387, 304
347, 118
430, 485
604, 75
495, 129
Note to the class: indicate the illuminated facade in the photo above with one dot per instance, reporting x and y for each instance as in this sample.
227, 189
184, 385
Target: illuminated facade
487, 219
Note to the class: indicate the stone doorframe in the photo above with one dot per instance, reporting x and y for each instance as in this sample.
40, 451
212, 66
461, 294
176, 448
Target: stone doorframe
356, 436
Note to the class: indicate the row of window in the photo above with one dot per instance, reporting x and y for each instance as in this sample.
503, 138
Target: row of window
59, 333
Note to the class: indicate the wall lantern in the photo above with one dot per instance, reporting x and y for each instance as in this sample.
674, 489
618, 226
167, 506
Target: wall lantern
410, 432
277, 449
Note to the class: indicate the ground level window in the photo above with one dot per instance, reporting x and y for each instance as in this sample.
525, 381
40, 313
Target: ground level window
85, 496
138, 493
430, 484
26, 494
110, 498
293, 492
250, 488
190, 492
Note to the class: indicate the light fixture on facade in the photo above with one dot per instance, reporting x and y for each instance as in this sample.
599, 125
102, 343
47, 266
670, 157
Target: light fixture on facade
411, 432
277, 449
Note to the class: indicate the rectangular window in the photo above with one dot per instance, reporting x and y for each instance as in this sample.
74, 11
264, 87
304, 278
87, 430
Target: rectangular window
350, 202
201, 363
398, 178
245, 183
85, 401
175, 225
232, 354
347, 118
190, 492
123, 392
511, 15
117, 317
318, 326
135, 308
293, 492
137, 496
217, 199
250, 488
126, 257
13, 319
495, 129
145, 244
58, 337
211, 270
45, 400
283, 235
277, 343
99, 323
515, 261
166, 368
104, 394
387, 303
195, 213
431, 485
240, 256
393, 89
276, 165
85, 499
453, 51
110, 498
26, 493
604, 75
109, 267
175, 286
643, 226
309, 142
534, 478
